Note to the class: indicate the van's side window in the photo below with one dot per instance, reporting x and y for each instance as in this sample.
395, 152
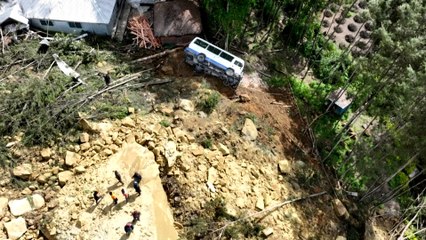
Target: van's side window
201, 43
213, 50
226, 56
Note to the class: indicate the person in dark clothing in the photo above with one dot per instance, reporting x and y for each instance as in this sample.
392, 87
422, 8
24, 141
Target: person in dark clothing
126, 195
128, 228
136, 216
107, 79
137, 187
118, 176
137, 177
97, 197
114, 198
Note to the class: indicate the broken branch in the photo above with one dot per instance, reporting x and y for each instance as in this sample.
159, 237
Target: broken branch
157, 55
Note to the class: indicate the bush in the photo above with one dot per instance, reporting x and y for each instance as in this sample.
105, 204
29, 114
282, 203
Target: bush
165, 123
207, 143
208, 102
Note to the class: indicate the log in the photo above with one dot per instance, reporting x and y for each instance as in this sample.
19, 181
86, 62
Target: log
157, 55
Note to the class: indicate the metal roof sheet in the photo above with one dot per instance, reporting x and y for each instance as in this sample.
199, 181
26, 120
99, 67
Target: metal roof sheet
88, 11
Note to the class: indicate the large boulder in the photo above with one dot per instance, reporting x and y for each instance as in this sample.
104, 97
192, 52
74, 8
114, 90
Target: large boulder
15, 228
23, 171
77, 217
249, 130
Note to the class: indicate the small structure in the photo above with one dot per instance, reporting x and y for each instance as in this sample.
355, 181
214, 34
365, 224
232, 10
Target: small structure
176, 22
92, 16
340, 99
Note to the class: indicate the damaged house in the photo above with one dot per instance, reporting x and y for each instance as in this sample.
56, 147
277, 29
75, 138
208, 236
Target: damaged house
76, 16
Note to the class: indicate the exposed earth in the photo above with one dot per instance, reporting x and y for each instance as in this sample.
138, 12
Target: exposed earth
250, 152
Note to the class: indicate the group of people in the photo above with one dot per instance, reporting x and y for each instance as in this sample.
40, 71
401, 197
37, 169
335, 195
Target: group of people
137, 178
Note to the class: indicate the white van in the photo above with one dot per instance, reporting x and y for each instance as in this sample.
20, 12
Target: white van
214, 60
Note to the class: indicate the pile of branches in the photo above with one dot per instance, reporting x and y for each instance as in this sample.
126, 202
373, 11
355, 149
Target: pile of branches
144, 37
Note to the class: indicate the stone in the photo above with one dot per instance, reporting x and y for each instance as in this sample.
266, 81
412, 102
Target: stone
212, 175
131, 110
179, 134
46, 153
84, 137
170, 153
166, 110
260, 204
340, 209
80, 169
26, 191
23, 171
3, 206
108, 152
186, 105
11, 144
198, 151
15, 228
64, 177
87, 126
84, 146
223, 149
128, 122
38, 201
20, 206
240, 202
249, 130
284, 167
71, 158
300, 164
243, 98
340, 238
267, 231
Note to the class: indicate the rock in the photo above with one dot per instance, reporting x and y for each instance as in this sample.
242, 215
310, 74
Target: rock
26, 191
211, 187
186, 105
84, 137
166, 110
243, 98
42, 179
284, 167
131, 110
38, 201
20, 206
300, 164
340, 238
179, 134
240, 203
268, 231
80, 169
3, 206
88, 126
128, 122
46, 153
64, 177
223, 149
170, 153
340, 209
11, 144
84, 146
23, 171
249, 130
71, 158
260, 204
108, 152
198, 151
212, 175
15, 228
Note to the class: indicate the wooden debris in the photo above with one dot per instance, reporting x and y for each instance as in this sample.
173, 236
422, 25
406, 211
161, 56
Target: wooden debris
144, 37
157, 55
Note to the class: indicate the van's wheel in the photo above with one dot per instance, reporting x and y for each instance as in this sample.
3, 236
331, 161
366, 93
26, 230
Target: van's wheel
229, 72
201, 57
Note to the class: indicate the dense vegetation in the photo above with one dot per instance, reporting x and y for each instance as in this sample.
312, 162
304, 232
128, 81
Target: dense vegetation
374, 147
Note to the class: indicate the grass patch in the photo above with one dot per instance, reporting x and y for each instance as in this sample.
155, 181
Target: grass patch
208, 102
165, 123
207, 143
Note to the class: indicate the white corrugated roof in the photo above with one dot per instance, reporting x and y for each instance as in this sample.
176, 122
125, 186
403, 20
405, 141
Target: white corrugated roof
89, 11
14, 12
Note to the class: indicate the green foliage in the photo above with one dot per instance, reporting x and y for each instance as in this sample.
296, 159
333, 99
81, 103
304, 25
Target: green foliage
208, 102
276, 81
207, 143
165, 123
